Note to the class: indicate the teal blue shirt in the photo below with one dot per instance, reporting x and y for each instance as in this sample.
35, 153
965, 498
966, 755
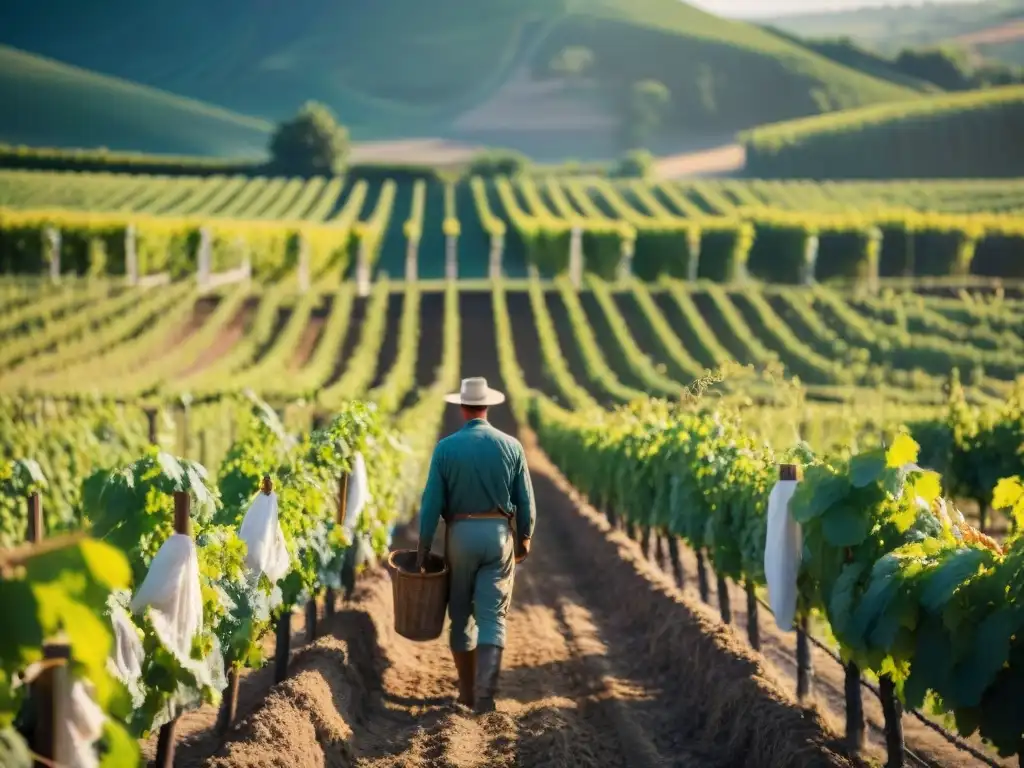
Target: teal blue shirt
477, 469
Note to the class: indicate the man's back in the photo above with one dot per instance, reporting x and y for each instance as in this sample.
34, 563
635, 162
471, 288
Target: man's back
479, 464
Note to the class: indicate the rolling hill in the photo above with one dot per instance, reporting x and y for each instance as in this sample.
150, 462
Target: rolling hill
405, 68
986, 28
62, 105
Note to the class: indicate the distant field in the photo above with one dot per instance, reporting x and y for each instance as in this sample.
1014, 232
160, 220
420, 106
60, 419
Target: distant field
367, 62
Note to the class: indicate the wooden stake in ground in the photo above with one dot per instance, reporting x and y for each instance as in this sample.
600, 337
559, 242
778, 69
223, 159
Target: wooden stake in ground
34, 533
165, 741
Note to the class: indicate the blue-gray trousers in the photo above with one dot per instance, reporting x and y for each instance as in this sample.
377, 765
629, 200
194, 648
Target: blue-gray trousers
481, 556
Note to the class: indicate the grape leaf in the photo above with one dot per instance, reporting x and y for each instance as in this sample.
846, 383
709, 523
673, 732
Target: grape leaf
943, 581
903, 451
988, 653
845, 525
823, 494
866, 468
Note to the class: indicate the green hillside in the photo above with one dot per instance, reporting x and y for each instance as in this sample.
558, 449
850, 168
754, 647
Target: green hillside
60, 105
411, 67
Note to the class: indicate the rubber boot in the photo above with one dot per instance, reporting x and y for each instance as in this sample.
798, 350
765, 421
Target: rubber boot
488, 667
465, 665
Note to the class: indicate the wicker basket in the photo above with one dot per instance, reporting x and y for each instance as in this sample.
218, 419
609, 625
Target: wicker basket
421, 599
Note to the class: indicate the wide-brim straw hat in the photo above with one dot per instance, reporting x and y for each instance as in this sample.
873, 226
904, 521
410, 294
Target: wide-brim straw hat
475, 392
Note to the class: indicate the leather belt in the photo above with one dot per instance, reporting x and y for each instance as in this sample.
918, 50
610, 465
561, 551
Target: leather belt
493, 514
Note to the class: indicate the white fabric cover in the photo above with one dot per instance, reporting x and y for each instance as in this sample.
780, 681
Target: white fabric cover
126, 659
85, 725
171, 589
358, 493
783, 550
261, 532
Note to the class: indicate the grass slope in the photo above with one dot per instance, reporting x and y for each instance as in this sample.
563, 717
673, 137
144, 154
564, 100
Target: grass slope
59, 105
414, 65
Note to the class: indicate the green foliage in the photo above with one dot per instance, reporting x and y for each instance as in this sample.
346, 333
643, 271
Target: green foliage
643, 112
635, 164
573, 62
498, 162
310, 144
132, 507
63, 590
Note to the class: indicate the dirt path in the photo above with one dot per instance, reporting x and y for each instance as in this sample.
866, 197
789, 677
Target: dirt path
720, 160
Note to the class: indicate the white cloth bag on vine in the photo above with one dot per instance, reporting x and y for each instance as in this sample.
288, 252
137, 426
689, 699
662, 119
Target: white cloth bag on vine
171, 589
783, 550
261, 532
82, 724
358, 493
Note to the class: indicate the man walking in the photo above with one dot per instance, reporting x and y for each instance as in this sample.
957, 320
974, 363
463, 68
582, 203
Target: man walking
479, 484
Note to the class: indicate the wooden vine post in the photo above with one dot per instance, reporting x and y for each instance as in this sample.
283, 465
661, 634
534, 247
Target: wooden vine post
151, 424
624, 270
494, 260
51, 688
184, 421
576, 257
893, 712
304, 268
753, 630
348, 566
131, 256
35, 531
451, 257
724, 603
53, 238
855, 725
329, 597
412, 250
165, 740
693, 265
702, 578
677, 564
51, 693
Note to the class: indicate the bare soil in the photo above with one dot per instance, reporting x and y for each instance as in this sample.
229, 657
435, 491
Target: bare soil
709, 162
307, 343
226, 341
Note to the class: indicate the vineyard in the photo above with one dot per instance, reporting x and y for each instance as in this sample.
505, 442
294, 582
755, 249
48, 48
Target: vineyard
785, 232
120, 403
967, 134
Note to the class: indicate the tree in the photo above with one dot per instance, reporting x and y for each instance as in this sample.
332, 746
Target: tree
498, 162
572, 63
310, 144
646, 105
635, 164
947, 67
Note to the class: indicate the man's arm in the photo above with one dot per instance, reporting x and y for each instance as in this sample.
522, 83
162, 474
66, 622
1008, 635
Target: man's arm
522, 497
434, 500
